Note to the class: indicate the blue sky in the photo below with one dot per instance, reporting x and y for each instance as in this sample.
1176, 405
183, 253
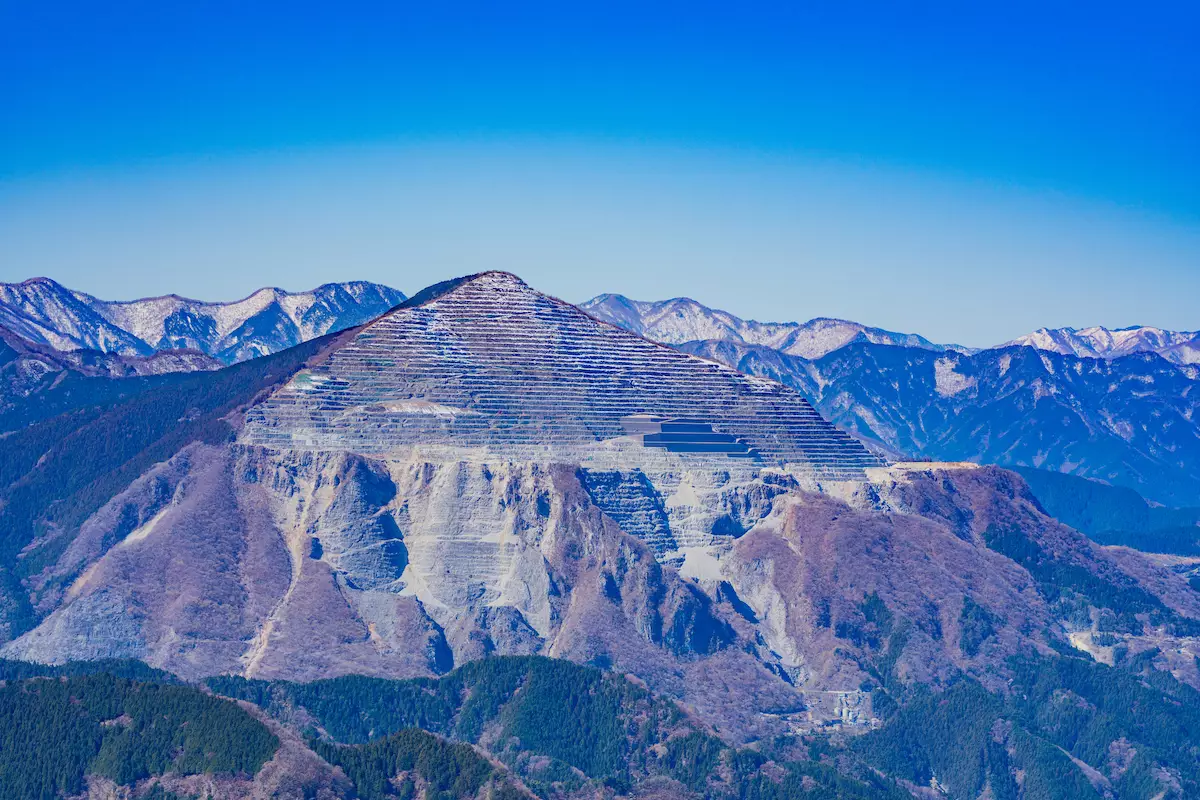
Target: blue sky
968, 173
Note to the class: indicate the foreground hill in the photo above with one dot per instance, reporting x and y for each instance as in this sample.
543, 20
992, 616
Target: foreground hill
491, 730
63, 735
487, 471
44, 312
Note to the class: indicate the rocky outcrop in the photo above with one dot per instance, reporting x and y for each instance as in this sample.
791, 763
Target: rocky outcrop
834, 587
306, 565
309, 565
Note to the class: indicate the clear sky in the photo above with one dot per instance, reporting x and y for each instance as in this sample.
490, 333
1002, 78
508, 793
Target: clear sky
967, 171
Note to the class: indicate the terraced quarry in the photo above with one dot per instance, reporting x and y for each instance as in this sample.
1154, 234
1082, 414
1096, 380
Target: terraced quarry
486, 363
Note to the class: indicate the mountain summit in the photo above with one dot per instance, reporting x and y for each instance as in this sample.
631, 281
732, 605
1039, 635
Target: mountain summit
1178, 347
682, 320
45, 312
486, 362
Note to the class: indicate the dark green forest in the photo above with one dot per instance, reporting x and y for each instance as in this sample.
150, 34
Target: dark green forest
55, 730
445, 769
507, 726
562, 725
1055, 709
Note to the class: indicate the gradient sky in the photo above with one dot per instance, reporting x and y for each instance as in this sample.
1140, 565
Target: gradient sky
967, 173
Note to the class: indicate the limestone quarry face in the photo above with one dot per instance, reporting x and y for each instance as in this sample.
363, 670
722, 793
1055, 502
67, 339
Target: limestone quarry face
683, 452
479, 472
488, 364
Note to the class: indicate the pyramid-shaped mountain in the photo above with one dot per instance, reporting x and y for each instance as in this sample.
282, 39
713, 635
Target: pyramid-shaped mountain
486, 365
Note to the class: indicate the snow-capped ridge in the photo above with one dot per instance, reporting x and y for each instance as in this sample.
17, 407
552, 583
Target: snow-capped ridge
266, 321
1178, 347
681, 319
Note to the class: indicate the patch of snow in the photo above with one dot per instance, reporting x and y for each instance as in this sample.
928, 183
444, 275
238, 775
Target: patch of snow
1178, 347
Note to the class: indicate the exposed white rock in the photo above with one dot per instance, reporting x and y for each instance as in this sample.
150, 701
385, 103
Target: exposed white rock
948, 381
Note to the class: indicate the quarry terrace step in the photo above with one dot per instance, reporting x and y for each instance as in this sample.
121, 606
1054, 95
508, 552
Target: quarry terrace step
487, 363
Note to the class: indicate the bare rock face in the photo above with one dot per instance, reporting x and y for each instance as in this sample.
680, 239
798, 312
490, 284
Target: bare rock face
831, 585
303, 566
993, 508
308, 565
192, 581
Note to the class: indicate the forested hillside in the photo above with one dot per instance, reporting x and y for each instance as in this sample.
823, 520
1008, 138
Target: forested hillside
56, 731
1114, 514
560, 727
516, 727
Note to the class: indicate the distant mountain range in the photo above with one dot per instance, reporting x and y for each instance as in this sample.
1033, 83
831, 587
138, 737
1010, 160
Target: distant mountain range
1178, 347
1095, 403
45, 312
1132, 421
682, 320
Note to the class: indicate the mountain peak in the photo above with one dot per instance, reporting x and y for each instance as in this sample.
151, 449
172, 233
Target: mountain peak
268, 320
681, 320
487, 363
42, 281
496, 279
1178, 347
489, 281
